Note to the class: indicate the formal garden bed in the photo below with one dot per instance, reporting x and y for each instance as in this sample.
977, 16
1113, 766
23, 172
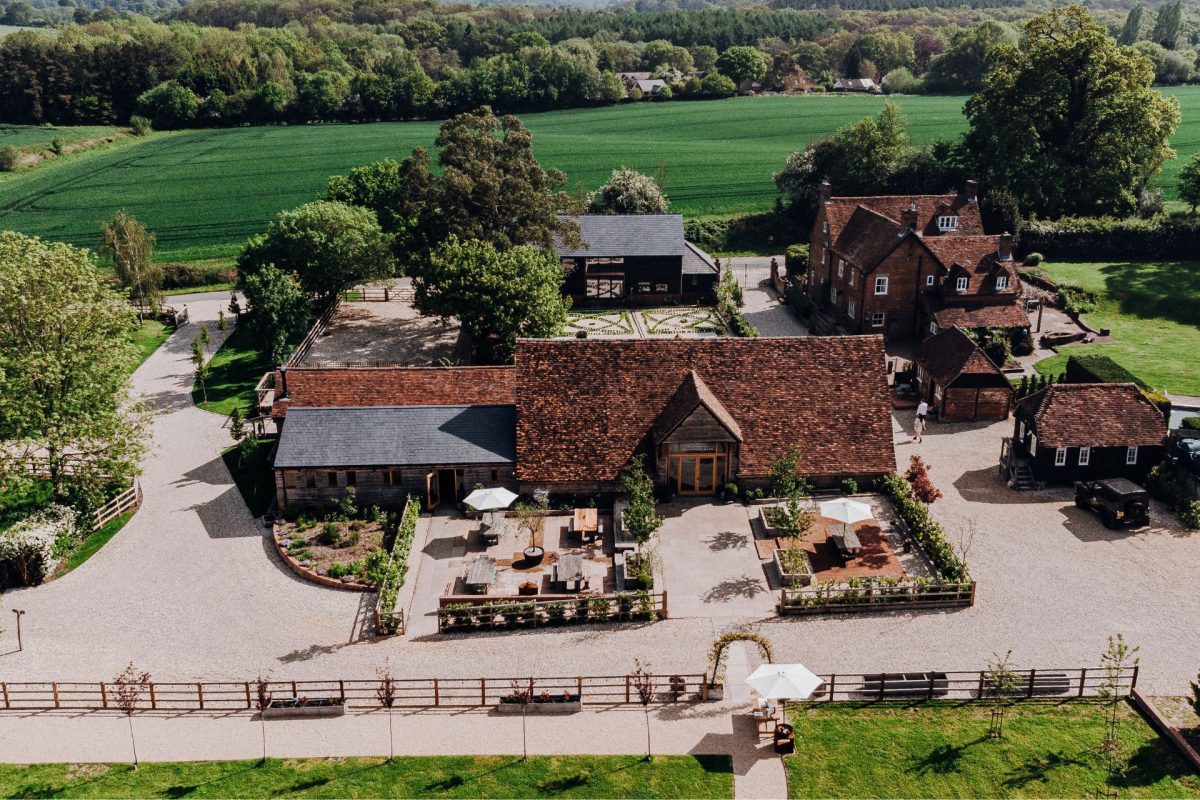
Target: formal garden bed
618, 322
695, 320
944, 750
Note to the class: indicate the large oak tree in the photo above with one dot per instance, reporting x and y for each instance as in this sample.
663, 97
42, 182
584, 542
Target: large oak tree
1067, 121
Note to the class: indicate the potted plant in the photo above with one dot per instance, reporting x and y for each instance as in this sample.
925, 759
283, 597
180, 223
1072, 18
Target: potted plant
284, 707
544, 702
529, 521
729, 492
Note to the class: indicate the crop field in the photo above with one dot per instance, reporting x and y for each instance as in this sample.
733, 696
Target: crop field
38, 137
204, 192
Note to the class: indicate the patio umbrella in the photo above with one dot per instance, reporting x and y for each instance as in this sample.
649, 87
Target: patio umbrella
784, 681
845, 511
490, 499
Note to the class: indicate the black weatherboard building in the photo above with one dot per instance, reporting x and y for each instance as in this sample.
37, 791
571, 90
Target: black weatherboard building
636, 259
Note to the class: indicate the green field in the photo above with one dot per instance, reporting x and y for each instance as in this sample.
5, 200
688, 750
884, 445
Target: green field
37, 137
448, 776
944, 751
1153, 311
204, 192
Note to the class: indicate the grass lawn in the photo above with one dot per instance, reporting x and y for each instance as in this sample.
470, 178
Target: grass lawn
92, 543
253, 477
149, 337
236, 368
1153, 310
448, 776
943, 750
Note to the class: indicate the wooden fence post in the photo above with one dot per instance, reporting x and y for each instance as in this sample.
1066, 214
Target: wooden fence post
4, 689
665, 613
200, 694
626, 688
103, 696
483, 691
437, 693
979, 693
1032, 675
54, 689
579, 687
1082, 679
342, 691
249, 703
1133, 681
153, 699
932, 682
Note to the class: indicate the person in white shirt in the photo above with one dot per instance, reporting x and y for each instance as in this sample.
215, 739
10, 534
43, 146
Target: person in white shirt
919, 422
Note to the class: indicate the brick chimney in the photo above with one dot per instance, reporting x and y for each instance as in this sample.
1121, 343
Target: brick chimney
826, 192
908, 218
971, 190
1004, 251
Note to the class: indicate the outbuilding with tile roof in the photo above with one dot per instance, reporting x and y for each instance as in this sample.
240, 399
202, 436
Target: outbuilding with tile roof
959, 381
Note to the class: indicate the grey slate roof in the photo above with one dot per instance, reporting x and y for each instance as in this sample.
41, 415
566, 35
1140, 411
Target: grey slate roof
697, 262
367, 436
611, 235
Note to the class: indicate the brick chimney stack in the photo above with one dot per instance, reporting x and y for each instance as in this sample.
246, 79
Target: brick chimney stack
826, 192
908, 218
971, 191
1005, 248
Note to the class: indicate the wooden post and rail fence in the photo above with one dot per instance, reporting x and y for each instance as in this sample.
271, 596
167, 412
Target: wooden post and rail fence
128, 500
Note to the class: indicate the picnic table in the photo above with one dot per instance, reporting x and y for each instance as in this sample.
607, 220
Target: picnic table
847, 542
493, 526
570, 570
481, 573
586, 521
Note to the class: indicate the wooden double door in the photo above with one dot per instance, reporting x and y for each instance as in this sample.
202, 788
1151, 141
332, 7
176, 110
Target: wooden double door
698, 474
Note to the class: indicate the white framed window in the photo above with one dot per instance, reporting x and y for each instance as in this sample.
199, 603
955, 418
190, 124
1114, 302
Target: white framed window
1033, 444
960, 285
661, 287
1021, 429
947, 222
1131, 455
1085, 456
881, 284
853, 276
850, 309
643, 286
833, 294
877, 319
938, 394
822, 257
1060, 457
929, 279
1001, 283
612, 288
841, 262
932, 326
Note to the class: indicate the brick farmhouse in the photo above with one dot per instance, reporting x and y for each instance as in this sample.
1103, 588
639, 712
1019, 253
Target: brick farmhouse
570, 414
908, 266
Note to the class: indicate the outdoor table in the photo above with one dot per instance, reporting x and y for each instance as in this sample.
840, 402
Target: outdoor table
481, 573
570, 570
587, 522
853, 545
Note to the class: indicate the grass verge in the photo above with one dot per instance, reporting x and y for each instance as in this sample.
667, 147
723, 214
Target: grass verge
253, 475
149, 336
942, 750
91, 544
1153, 312
236, 368
444, 776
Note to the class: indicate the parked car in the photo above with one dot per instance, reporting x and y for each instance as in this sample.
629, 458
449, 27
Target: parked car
1120, 502
1188, 451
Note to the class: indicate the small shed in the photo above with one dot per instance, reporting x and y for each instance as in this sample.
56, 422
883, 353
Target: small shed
958, 379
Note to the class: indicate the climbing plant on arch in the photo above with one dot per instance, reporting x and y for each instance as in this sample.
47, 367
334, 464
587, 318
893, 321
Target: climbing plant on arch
718, 653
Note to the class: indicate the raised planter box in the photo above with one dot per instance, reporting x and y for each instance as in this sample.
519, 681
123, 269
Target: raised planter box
568, 707
290, 708
770, 530
792, 578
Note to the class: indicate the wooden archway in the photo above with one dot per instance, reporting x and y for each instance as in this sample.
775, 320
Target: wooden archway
719, 652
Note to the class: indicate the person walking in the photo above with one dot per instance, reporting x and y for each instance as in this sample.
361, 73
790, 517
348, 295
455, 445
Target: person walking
919, 422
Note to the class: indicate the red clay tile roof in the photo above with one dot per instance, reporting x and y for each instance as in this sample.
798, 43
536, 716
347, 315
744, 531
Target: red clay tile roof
396, 386
977, 259
1095, 415
1007, 315
951, 353
839, 210
584, 407
866, 237
691, 394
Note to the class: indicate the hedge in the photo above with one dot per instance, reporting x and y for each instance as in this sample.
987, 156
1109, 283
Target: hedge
1108, 238
925, 530
1099, 368
795, 259
1190, 423
393, 577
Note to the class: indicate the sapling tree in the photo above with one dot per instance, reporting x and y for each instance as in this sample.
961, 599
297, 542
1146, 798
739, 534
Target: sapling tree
524, 695
222, 322
203, 370
643, 684
127, 691
385, 692
237, 426
1120, 660
918, 478
262, 701
641, 519
131, 248
1001, 684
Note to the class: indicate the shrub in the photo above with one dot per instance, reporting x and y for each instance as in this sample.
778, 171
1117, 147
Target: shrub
925, 530
139, 125
1075, 298
1109, 238
9, 156
1190, 514
918, 478
1034, 259
34, 546
849, 486
57, 145
795, 259
1190, 423
799, 301
329, 534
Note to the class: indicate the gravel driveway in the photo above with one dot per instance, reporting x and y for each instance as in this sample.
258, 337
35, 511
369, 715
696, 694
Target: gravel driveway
191, 588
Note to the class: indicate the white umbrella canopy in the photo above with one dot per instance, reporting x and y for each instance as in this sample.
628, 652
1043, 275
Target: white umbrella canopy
490, 499
845, 510
784, 681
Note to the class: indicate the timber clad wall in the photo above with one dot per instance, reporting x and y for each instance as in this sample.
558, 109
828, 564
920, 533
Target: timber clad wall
971, 403
372, 488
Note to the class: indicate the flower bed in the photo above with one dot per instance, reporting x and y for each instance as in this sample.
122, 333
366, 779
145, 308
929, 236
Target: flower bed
600, 323
661, 321
479, 615
543, 703
286, 707
794, 568
337, 550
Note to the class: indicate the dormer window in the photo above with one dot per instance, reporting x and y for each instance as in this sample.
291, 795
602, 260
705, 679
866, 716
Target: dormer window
1001, 283
960, 285
947, 223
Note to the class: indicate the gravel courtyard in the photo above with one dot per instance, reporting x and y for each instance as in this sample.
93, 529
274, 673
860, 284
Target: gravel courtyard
191, 588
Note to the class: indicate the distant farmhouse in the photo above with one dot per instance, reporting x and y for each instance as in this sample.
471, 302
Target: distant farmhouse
909, 266
570, 414
855, 85
636, 259
641, 80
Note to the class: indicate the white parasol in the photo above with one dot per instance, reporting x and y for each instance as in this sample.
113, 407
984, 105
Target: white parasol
490, 499
784, 681
845, 511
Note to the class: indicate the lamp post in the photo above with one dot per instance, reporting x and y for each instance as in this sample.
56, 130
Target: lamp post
20, 613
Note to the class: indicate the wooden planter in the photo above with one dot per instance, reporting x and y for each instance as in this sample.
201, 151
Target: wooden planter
716, 692
792, 578
535, 707
287, 709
